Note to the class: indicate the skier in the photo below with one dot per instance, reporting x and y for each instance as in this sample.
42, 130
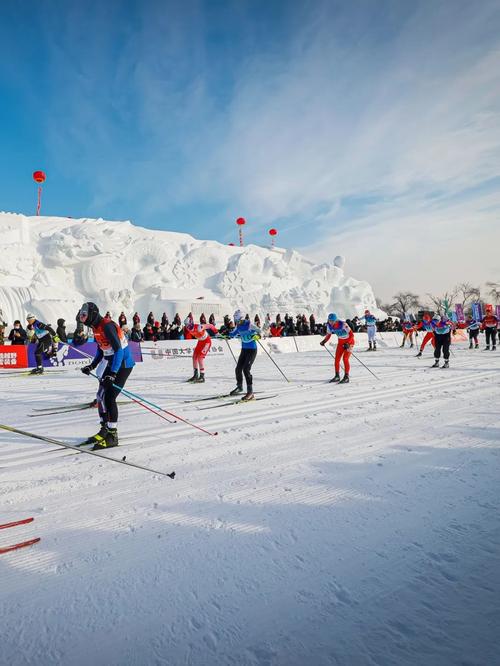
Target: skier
46, 341
17, 336
442, 331
473, 327
489, 325
345, 344
426, 325
249, 334
371, 329
408, 330
112, 345
200, 333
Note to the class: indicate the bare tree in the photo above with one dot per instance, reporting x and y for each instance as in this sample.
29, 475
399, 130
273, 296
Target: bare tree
466, 293
494, 291
444, 302
404, 301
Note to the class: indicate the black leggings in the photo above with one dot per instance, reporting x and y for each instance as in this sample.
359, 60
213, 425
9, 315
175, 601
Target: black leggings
243, 367
473, 335
43, 346
106, 398
491, 334
442, 342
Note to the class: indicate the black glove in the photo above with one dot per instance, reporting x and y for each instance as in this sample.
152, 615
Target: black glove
346, 345
108, 380
322, 343
87, 369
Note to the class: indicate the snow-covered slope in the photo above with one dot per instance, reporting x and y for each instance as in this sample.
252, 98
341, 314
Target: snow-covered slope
50, 265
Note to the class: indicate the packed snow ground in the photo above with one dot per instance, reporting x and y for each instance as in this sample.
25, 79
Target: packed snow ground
354, 525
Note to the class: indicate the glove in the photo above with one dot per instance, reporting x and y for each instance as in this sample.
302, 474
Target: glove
87, 369
56, 339
108, 380
346, 346
322, 343
255, 337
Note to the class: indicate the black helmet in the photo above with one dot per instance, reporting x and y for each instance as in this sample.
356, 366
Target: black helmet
91, 311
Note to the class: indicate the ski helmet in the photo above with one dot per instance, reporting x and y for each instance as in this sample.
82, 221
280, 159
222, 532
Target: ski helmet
30, 316
91, 313
332, 316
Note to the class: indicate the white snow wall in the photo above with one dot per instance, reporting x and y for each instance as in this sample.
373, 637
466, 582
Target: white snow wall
50, 265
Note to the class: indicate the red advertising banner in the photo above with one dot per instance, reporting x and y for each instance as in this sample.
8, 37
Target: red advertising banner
13, 356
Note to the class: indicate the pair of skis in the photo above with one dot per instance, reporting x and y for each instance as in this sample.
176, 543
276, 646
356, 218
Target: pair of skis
222, 396
21, 544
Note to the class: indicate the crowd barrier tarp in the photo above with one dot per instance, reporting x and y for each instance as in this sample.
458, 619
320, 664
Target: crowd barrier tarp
13, 356
68, 356
165, 350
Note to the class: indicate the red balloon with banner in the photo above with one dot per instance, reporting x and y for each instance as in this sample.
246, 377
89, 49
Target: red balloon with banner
241, 223
39, 177
273, 233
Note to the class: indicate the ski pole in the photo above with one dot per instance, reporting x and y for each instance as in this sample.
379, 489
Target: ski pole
140, 400
365, 366
229, 347
273, 361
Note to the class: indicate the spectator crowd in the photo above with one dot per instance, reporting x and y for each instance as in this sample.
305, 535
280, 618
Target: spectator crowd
154, 329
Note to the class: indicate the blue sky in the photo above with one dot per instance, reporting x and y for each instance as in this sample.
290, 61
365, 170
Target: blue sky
369, 128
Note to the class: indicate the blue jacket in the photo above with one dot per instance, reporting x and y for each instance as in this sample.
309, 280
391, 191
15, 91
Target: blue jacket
246, 330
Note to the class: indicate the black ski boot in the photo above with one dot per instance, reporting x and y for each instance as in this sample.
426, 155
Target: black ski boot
237, 390
200, 379
335, 379
194, 377
494, 348
476, 347
109, 440
248, 396
97, 437
419, 354
446, 364
345, 380
436, 364
37, 371
369, 346
374, 346
470, 346
487, 348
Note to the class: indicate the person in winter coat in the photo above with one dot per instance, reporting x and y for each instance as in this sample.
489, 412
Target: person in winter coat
149, 334
175, 329
266, 327
345, 344
113, 347
61, 330
151, 319
276, 330
443, 327
2, 332
136, 319
408, 331
427, 326
46, 340
122, 319
249, 334
17, 336
200, 332
136, 334
211, 319
489, 325
473, 327
164, 320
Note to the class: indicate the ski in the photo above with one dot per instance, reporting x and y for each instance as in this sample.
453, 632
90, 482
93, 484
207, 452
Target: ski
16, 546
239, 402
212, 397
27, 373
65, 410
78, 405
65, 445
25, 521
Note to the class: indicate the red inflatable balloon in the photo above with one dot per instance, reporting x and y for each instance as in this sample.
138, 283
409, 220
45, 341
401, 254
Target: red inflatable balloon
38, 176
241, 221
273, 232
